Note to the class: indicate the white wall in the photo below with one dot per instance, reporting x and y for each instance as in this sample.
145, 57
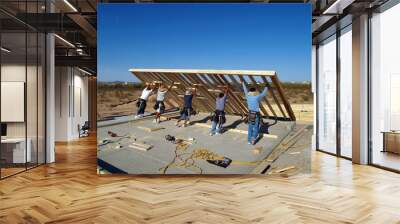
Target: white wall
33, 126
62, 82
14, 73
70, 83
79, 115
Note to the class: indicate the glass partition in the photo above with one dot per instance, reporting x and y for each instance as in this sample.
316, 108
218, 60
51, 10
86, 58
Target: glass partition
22, 77
327, 98
346, 92
385, 89
14, 153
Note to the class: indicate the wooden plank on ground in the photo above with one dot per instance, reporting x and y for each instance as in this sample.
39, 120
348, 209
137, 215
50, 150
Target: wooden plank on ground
150, 129
237, 131
140, 146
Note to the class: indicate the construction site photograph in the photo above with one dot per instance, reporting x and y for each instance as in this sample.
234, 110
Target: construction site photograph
163, 117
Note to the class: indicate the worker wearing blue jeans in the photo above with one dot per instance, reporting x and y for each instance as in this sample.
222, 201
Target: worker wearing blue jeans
254, 117
254, 128
218, 118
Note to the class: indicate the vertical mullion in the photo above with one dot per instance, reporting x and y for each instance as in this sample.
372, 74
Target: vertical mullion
0, 95
26, 85
73, 92
69, 91
45, 88
45, 95
37, 90
317, 97
369, 88
338, 93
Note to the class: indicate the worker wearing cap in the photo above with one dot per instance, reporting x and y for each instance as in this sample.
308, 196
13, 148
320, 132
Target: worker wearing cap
218, 118
160, 106
254, 117
187, 109
142, 101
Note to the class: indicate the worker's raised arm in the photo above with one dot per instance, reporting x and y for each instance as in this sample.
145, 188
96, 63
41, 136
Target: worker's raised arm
226, 92
153, 88
264, 92
244, 88
170, 87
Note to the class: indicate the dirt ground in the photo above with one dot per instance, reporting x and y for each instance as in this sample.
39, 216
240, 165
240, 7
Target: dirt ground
117, 99
304, 112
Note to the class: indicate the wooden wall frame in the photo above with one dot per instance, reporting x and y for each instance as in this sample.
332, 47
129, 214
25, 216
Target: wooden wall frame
209, 82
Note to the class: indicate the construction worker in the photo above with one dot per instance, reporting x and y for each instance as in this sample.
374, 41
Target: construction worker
142, 101
254, 116
159, 106
187, 107
218, 118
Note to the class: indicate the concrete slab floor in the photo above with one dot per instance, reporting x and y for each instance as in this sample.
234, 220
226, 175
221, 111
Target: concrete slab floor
232, 145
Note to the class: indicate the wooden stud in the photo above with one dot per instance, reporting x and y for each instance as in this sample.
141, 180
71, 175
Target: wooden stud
286, 103
274, 96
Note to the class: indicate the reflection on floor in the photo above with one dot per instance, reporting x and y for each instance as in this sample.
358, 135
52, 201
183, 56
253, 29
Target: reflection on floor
10, 171
387, 159
70, 191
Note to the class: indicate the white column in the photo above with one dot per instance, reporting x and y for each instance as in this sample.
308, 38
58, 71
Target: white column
360, 90
50, 99
50, 92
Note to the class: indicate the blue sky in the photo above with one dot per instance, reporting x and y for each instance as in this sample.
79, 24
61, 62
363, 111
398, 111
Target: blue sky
204, 36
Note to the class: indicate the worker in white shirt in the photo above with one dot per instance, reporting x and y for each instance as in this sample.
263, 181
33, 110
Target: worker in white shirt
142, 101
159, 106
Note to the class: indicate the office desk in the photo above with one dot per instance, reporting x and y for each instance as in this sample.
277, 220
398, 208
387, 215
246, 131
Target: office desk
16, 147
391, 141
